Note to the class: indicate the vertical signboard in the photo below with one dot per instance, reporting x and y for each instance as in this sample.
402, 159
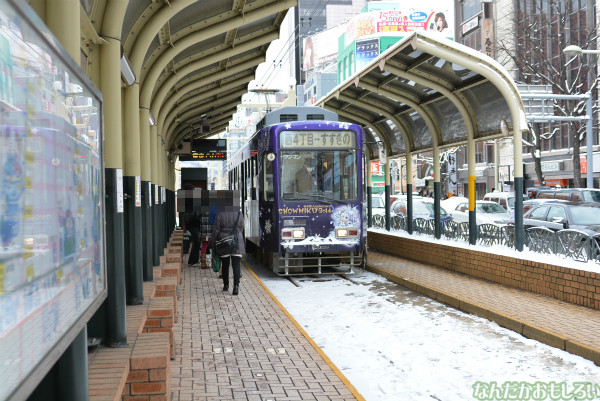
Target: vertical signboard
366, 50
52, 265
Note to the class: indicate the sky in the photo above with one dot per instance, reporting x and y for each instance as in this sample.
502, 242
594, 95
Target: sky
394, 344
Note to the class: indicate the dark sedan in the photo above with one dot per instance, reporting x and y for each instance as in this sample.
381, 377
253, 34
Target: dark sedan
567, 215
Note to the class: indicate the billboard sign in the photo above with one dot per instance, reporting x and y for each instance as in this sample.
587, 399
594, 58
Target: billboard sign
366, 51
434, 16
322, 48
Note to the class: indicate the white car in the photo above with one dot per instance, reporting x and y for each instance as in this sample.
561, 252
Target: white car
377, 205
486, 212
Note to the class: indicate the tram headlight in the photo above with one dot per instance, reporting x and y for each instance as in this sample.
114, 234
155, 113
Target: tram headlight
346, 232
292, 233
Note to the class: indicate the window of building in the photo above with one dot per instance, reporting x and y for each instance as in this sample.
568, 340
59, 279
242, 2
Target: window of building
469, 8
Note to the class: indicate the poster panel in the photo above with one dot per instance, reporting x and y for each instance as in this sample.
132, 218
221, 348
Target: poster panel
52, 264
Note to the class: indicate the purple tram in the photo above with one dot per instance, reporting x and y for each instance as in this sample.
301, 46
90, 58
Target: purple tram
300, 178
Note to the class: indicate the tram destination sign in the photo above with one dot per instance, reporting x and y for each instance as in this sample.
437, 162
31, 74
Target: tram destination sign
203, 156
206, 149
317, 139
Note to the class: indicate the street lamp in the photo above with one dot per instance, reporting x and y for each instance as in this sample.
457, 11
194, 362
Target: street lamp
574, 51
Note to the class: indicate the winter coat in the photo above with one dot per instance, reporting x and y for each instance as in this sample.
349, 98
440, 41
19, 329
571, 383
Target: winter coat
223, 225
205, 227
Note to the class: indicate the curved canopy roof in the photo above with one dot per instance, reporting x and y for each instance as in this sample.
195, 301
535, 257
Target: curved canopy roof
193, 59
428, 91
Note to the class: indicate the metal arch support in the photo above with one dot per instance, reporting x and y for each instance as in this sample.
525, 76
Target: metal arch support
190, 115
185, 110
186, 89
468, 117
208, 93
436, 138
152, 26
386, 113
465, 110
151, 84
421, 110
493, 71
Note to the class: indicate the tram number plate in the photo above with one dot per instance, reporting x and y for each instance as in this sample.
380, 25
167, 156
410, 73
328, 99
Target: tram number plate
318, 139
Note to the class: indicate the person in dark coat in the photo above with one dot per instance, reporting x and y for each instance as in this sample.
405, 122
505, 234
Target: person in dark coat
205, 236
222, 227
192, 224
304, 179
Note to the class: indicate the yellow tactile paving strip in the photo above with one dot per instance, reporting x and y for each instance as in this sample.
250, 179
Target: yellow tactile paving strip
557, 323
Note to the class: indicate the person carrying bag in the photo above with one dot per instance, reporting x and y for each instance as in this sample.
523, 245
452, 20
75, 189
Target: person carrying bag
229, 245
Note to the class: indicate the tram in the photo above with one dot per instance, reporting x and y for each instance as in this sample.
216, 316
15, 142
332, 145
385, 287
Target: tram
300, 178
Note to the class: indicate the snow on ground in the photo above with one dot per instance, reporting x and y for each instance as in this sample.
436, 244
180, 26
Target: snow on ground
394, 344
556, 260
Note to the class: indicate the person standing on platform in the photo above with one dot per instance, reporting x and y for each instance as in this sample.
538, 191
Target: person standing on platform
192, 224
205, 236
225, 223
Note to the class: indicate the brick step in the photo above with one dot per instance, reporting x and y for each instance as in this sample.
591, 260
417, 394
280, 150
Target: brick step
150, 368
107, 373
167, 287
172, 270
160, 319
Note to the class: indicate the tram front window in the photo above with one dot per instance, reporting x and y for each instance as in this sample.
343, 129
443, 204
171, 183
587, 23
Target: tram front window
319, 175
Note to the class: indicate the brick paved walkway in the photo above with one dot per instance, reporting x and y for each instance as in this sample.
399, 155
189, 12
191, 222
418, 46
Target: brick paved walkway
243, 347
560, 324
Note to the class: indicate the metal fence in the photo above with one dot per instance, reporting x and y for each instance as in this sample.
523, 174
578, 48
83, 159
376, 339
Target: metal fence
572, 244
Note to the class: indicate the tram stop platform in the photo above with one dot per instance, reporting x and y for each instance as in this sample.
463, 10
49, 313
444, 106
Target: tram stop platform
560, 324
245, 347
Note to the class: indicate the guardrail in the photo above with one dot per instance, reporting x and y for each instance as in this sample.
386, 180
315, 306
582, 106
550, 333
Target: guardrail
573, 244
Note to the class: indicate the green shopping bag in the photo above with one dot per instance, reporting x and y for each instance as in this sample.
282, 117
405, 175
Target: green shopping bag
216, 260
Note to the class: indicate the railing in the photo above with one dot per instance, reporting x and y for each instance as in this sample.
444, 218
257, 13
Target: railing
572, 244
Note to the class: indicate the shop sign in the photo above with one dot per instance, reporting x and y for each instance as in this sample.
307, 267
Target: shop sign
504, 173
583, 164
470, 24
551, 166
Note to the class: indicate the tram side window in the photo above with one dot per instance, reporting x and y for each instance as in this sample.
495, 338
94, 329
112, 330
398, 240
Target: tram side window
268, 188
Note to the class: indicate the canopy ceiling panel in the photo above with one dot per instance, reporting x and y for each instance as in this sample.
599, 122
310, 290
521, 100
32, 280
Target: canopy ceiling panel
431, 92
185, 53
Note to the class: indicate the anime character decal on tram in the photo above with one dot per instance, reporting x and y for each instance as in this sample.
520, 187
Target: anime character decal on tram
300, 177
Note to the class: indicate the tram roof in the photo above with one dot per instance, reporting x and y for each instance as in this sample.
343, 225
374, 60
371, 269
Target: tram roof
428, 91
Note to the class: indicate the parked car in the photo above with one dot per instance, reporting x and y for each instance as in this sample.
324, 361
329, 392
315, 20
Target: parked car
377, 205
528, 204
504, 199
422, 208
453, 201
564, 215
570, 194
486, 212
532, 191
